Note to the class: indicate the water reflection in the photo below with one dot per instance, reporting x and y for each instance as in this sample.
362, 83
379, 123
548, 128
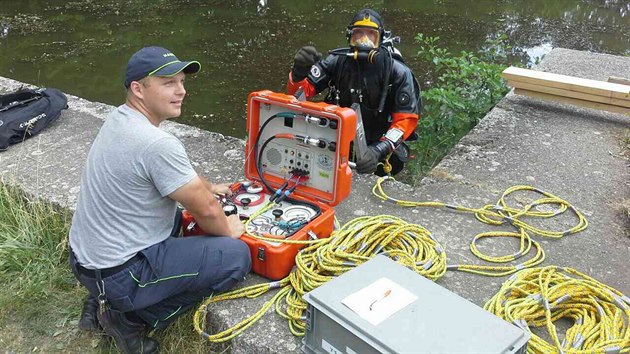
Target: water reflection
4, 30
611, 12
262, 7
536, 53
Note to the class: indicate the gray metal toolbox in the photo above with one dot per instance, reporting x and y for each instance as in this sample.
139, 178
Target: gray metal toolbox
438, 321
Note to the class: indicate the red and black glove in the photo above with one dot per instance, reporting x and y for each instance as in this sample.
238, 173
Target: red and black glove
302, 62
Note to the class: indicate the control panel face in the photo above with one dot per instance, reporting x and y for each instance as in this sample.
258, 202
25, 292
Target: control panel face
301, 142
282, 157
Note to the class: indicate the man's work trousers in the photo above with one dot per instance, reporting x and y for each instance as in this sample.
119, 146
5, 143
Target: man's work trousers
172, 276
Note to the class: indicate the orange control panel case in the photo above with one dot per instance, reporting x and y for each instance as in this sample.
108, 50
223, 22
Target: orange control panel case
330, 177
326, 177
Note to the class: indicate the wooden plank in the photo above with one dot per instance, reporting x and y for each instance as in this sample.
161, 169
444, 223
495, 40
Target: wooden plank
573, 101
569, 83
572, 94
619, 80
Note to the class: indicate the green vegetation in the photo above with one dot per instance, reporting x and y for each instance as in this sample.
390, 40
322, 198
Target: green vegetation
32, 251
40, 300
38, 296
468, 85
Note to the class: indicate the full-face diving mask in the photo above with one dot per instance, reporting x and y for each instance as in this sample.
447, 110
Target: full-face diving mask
364, 37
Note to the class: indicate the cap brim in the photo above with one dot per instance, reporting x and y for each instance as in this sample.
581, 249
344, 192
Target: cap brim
173, 68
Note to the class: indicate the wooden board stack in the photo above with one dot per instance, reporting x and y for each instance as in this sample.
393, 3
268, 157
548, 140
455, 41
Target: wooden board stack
607, 96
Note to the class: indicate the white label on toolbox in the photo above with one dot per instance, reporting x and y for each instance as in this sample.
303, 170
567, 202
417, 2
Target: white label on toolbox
379, 300
329, 348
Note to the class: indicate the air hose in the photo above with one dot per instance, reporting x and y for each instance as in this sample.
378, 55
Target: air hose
353, 244
540, 297
500, 214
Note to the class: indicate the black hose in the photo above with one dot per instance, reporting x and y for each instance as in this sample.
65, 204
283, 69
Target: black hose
388, 72
258, 159
340, 51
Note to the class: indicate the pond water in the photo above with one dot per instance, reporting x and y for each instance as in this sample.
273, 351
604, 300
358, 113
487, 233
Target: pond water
82, 47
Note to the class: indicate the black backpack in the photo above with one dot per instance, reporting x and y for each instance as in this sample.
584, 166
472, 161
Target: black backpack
27, 112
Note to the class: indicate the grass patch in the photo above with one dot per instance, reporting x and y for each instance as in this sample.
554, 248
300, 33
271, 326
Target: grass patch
39, 296
40, 300
32, 259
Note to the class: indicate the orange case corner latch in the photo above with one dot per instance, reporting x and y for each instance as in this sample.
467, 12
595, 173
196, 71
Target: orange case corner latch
261, 254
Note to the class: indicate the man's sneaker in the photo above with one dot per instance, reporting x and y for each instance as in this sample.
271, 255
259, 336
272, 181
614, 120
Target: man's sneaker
129, 336
88, 320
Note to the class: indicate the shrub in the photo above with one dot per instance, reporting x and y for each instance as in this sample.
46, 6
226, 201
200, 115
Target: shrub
467, 86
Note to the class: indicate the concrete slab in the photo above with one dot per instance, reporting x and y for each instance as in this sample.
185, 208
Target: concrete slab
574, 153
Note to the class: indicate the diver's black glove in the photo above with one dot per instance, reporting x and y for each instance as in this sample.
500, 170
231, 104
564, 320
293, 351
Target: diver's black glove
375, 153
302, 62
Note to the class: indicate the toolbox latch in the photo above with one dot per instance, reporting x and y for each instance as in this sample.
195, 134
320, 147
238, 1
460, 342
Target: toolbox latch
261, 254
309, 317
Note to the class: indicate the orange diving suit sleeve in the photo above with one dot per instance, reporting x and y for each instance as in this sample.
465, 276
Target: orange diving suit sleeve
406, 122
292, 87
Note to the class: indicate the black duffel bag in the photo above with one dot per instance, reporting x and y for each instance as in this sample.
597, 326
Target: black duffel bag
27, 112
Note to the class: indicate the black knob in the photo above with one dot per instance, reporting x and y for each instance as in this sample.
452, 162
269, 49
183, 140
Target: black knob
229, 209
277, 213
245, 202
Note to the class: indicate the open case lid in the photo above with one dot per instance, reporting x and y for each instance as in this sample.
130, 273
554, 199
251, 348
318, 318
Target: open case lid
309, 139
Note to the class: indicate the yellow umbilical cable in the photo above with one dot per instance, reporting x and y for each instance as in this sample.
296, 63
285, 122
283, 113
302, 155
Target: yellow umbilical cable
499, 214
353, 244
199, 318
356, 242
538, 297
387, 166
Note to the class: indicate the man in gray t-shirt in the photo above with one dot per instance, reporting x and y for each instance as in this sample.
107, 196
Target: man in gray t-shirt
123, 242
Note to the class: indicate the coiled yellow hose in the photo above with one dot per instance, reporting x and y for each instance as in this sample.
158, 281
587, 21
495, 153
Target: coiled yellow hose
499, 214
353, 244
538, 297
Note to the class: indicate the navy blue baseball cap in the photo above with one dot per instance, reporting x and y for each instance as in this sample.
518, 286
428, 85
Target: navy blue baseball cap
156, 61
